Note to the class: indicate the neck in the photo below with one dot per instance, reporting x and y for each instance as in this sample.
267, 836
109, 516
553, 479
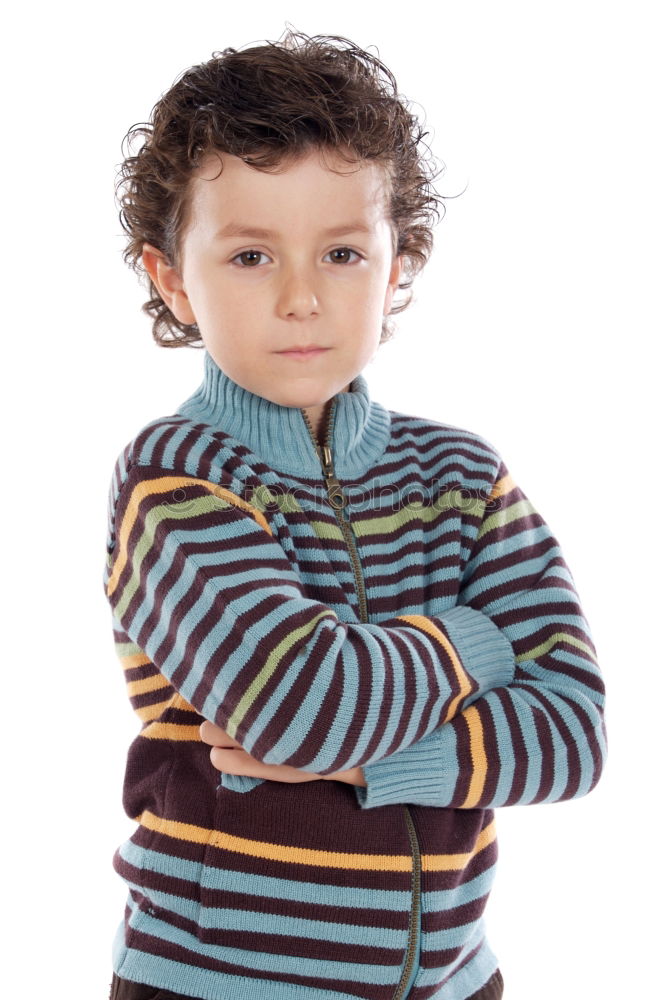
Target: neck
318, 415
279, 435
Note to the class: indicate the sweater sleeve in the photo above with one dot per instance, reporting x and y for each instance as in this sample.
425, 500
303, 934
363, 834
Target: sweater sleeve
197, 579
540, 735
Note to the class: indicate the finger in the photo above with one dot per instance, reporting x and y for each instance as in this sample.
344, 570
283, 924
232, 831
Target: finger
234, 761
212, 734
216, 736
240, 762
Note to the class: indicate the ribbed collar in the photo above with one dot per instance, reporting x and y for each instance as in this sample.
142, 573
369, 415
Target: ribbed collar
279, 434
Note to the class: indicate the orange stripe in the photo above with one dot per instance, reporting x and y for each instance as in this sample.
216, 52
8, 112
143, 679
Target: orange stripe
152, 712
502, 487
147, 684
134, 660
168, 484
149, 712
172, 731
457, 862
465, 687
478, 757
310, 856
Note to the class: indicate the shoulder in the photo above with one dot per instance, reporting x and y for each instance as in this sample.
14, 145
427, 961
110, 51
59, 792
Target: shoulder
180, 446
444, 444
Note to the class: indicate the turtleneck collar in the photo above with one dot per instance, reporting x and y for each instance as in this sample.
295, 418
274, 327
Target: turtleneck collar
279, 435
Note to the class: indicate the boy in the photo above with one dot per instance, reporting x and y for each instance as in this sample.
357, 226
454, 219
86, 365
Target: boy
358, 610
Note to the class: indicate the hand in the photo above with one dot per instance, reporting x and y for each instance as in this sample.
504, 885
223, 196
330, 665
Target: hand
229, 756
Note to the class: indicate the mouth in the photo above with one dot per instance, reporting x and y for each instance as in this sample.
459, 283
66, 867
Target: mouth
303, 353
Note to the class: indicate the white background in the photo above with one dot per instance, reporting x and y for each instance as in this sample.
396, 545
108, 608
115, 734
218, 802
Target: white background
534, 325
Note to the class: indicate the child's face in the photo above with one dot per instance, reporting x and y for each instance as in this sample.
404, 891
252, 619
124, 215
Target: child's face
292, 284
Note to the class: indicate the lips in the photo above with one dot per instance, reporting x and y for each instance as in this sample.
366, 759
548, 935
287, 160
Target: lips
301, 348
303, 352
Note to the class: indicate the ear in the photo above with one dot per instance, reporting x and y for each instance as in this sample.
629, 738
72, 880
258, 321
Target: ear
392, 283
168, 283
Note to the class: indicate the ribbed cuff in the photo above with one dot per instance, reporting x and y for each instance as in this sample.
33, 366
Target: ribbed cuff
411, 775
485, 652
425, 773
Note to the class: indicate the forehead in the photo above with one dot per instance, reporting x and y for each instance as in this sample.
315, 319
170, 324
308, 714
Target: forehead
314, 185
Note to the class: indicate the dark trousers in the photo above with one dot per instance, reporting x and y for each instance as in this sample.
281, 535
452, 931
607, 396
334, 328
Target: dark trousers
124, 989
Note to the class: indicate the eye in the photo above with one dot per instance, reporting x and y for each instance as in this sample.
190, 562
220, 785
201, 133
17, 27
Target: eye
249, 258
344, 259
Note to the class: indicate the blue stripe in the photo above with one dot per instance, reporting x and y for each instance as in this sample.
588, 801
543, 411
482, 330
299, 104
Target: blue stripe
464, 936
346, 710
174, 441
258, 923
469, 979
474, 458
304, 717
151, 441
370, 715
420, 696
506, 753
433, 975
533, 752
448, 899
356, 972
163, 973
264, 885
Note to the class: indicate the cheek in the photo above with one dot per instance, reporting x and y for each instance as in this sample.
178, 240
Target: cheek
220, 300
373, 303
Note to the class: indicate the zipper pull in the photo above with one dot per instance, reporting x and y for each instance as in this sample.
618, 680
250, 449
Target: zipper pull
335, 491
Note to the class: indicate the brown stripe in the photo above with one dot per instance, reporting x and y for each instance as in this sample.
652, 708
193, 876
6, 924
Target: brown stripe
573, 758
443, 958
291, 702
463, 753
456, 916
386, 694
169, 950
262, 939
518, 747
353, 915
327, 712
338, 877
491, 748
168, 429
545, 742
445, 880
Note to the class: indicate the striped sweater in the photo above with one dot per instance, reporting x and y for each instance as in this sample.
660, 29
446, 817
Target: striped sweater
388, 599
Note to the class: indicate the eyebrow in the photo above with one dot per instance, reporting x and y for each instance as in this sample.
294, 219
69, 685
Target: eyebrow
235, 229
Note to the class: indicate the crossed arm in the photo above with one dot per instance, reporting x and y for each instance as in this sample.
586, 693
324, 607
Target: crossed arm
203, 587
229, 756
539, 738
496, 701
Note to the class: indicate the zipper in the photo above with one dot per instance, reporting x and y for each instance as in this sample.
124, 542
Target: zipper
338, 501
412, 953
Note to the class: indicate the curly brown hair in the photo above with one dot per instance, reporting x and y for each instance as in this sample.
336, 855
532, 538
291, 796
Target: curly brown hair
267, 104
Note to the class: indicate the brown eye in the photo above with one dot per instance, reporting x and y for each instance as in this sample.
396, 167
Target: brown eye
342, 255
249, 258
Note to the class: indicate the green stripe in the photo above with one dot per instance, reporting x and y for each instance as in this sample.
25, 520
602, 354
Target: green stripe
505, 516
553, 640
160, 512
389, 524
273, 661
124, 649
327, 530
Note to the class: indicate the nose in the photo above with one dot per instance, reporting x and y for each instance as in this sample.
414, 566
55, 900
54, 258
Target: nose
297, 294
